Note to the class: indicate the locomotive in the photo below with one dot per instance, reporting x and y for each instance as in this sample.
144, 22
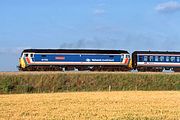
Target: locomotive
72, 59
98, 60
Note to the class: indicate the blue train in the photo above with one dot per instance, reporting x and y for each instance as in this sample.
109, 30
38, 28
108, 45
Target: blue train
71, 59
156, 61
98, 60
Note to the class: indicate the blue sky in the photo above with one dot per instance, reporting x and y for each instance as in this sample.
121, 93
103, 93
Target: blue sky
104, 24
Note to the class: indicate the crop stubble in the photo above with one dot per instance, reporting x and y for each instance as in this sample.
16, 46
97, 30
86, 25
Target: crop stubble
163, 105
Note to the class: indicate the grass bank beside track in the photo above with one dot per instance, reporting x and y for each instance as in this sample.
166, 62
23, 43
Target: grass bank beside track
38, 82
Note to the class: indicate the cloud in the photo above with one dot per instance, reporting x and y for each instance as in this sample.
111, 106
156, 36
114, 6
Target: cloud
170, 6
99, 12
129, 41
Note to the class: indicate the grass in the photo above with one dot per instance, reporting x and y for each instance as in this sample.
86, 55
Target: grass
38, 82
127, 105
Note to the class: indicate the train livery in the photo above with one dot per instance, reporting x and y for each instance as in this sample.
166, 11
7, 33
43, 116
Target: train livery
72, 59
156, 61
98, 60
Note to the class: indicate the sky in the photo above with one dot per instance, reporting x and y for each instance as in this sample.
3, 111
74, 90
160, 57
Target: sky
98, 24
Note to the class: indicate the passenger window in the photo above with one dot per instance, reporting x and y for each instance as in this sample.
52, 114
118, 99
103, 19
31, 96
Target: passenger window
178, 59
161, 58
172, 59
145, 59
151, 58
156, 58
167, 58
148, 58
140, 58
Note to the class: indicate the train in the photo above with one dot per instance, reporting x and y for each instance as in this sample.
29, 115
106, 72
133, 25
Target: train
98, 60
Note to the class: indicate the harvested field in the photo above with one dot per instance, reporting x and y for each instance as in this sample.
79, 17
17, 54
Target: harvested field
92, 105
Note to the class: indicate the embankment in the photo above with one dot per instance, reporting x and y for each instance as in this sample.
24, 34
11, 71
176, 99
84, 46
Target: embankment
40, 82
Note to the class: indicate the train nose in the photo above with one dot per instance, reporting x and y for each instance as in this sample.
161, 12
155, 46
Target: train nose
21, 63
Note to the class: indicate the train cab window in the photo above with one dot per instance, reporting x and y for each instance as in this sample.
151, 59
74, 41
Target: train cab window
26, 55
127, 56
156, 58
32, 55
178, 59
172, 59
145, 58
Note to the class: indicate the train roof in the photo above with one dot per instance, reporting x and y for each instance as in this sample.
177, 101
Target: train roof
76, 51
156, 52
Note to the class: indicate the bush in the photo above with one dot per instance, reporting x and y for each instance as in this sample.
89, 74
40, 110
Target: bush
24, 89
6, 85
62, 82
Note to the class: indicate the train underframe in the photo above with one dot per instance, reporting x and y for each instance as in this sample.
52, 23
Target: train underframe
157, 69
75, 67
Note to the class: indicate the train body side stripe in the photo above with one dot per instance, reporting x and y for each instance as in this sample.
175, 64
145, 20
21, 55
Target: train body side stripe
28, 61
25, 62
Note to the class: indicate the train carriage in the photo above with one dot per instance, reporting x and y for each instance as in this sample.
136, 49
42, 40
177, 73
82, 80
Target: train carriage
71, 59
156, 60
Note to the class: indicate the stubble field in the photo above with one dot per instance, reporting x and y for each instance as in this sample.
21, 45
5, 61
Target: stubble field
127, 105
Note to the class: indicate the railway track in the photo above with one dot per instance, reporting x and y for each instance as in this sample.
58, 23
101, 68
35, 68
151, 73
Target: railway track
80, 72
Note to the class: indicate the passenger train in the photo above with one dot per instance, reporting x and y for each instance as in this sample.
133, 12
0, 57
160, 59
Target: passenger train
97, 60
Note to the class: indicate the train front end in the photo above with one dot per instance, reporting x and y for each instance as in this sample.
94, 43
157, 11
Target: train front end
25, 60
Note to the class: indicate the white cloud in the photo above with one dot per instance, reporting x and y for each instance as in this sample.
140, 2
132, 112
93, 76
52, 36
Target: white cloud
170, 6
99, 11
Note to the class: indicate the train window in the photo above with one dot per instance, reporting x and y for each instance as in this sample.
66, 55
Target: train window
26, 55
127, 56
43, 55
140, 58
172, 59
32, 55
145, 58
151, 58
178, 59
167, 58
156, 58
161, 58
148, 58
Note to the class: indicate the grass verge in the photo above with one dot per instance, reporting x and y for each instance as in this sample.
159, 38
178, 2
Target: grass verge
63, 82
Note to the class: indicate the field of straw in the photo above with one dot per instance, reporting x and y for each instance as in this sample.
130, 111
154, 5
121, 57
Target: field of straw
127, 105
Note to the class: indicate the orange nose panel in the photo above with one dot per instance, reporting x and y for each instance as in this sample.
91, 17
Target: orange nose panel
126, 60
27, 59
